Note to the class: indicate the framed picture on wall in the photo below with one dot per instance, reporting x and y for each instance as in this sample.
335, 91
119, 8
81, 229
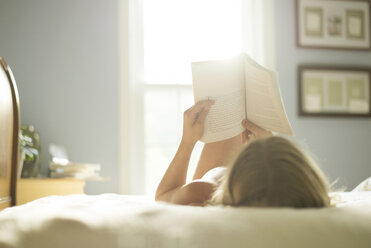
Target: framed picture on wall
334, 91
335, 24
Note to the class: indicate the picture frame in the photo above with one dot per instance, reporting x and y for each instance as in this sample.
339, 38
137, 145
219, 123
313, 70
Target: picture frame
334, 91
333, 24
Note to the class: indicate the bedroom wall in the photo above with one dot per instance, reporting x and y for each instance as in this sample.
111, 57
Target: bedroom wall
64, 57
342, 145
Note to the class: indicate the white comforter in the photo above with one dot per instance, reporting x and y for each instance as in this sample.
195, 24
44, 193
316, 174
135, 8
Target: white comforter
111, 220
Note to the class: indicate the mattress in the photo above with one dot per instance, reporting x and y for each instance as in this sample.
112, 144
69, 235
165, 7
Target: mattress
112, 220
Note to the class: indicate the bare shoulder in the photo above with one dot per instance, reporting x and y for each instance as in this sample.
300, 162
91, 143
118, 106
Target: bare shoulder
194, 193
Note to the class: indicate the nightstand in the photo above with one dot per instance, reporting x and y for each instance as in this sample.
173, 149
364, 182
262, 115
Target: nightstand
33, 188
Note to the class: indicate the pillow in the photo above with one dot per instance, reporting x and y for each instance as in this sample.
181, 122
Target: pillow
363, 186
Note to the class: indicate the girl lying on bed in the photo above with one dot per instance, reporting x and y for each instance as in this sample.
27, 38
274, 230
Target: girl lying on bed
267, 170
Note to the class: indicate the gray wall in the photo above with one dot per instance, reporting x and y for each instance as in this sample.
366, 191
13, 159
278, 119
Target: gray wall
64, 58
342, 145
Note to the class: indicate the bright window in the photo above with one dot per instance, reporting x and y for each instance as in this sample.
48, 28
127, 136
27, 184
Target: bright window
177, 32
168, 36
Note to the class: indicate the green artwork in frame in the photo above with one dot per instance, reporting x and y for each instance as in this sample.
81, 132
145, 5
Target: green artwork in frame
355, 24
357, 97
314, 22
313, 92
335, 93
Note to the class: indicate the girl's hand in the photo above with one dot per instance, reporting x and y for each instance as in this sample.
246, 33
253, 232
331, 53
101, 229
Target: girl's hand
194, 120
253, 131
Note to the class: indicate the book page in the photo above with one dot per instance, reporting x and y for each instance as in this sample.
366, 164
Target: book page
223, 82
264, 105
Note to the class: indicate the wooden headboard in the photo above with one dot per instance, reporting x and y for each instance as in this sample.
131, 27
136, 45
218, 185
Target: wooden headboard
9, 136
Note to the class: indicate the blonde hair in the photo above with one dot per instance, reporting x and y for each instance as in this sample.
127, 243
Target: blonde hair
272, 172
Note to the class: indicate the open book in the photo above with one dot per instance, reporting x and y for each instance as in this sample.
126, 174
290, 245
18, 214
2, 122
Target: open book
241, 89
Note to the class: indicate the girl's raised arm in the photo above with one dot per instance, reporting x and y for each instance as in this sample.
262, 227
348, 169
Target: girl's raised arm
176, 173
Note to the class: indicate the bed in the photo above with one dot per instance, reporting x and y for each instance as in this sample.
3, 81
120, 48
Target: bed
112, 220
9, 129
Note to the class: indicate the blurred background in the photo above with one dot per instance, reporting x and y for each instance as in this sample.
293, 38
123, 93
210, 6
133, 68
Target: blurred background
109, 80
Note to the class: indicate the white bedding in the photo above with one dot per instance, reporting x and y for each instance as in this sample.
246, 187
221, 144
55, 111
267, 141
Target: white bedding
112, 220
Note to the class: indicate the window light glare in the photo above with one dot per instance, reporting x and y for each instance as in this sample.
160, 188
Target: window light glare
177, 32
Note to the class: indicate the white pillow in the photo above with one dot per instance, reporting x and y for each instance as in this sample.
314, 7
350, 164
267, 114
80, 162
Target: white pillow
363, 186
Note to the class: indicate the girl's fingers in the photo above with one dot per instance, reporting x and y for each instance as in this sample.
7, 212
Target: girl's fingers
247, 135
200, 105
255, 130
249, 125
202, 114
246, 125
244, 137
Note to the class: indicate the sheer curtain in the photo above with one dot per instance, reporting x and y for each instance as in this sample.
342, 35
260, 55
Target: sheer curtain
158, 41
